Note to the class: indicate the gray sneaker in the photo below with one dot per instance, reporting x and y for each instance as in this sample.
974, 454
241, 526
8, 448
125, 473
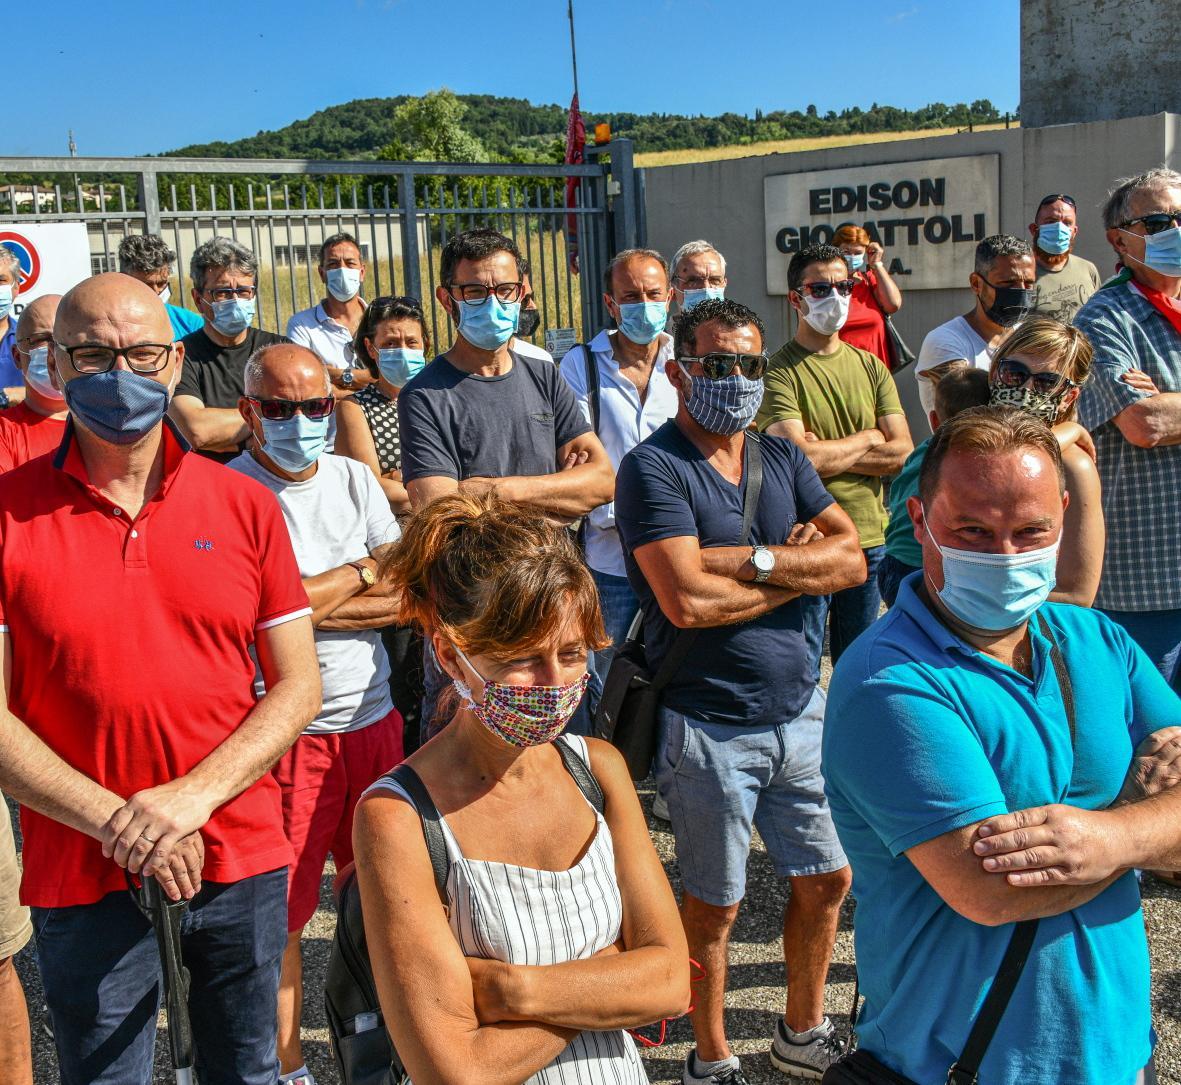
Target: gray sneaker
727, 1075
808, 1059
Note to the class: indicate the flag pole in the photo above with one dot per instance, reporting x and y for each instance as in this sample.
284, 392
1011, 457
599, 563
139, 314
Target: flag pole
573, 53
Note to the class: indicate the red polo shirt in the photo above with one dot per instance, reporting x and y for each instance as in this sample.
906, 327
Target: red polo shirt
131, 646
25, 435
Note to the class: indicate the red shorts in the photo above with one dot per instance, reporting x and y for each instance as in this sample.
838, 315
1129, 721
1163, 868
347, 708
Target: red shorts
321, 778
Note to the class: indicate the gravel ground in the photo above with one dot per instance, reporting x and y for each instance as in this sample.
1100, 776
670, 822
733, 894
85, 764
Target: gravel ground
756, 989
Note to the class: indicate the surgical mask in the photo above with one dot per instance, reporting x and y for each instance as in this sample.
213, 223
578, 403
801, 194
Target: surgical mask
37, 375
723, 406
696, 297
995, 592
1043, 406
295, 443
400, 364
855, 260
527, 322
1053, 238
166, 294
827, 316
118, 406
1011, 305
522, 716
343, 282
1162, 252
643, 321
6, 295
490, 325
232, 316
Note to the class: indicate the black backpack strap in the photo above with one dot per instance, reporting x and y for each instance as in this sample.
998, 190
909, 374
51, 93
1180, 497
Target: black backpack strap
580, 770
432, 828
592, 385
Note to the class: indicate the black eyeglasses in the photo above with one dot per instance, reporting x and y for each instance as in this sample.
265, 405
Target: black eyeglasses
1014, 374
1055, 197
478, 293
280, 410
226, 293
823, 289
142, 357
1157, 222
717, 366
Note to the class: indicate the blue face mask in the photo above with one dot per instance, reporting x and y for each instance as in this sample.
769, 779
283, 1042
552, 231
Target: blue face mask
696, 297
344, 283
995, 592
1162, 252
856, 261
37, 375
232, 316
643, 321
1053, 238
399, 365
724, 406
489, 325
295, 443
118, 406
6, 295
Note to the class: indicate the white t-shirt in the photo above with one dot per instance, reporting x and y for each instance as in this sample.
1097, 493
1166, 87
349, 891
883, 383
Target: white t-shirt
340, 514
530, 350
947, 343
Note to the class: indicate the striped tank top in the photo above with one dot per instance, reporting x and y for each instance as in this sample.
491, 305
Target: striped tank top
524, 916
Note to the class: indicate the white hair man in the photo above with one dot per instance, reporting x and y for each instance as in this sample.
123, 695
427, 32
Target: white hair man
697, 273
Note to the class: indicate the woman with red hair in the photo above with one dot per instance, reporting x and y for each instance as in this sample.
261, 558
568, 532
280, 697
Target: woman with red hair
874, 296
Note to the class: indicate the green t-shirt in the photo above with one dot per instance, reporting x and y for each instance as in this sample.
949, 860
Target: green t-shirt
1061, 293
835, 395
901, 544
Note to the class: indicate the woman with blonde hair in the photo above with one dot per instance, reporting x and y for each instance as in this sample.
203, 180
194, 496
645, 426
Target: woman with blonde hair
559, 930
874, 297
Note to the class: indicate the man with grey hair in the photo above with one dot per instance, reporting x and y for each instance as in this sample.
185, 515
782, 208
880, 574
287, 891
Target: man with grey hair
339, 521
225, 288
147, 258
12, 384
1003, 281
1132, 406
698, 273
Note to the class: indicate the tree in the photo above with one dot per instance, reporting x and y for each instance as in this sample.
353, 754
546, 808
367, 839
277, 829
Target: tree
429, 129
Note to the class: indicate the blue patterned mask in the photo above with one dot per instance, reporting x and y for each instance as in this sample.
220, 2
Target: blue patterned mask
723, 406
119, 406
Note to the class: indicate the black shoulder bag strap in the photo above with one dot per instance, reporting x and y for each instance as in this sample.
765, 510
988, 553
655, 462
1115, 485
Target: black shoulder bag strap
679, 651
580, 770
432, 828
967, 1067
592, 385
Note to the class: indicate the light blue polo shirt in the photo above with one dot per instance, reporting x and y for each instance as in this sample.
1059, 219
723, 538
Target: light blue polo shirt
184, 321
922, 735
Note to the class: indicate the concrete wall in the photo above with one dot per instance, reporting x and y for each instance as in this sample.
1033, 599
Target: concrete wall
1098, 60
723, 203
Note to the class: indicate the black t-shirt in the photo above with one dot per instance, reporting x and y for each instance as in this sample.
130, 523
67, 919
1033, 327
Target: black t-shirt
754, 674
458, 425
216, 375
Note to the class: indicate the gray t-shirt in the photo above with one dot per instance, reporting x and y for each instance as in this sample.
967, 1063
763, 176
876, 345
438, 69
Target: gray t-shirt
339, 514
458, 425
1062, 293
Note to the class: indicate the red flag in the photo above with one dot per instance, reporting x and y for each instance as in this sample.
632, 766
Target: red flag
575, 142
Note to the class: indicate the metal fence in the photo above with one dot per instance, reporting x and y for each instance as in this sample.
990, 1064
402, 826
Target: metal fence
402, 214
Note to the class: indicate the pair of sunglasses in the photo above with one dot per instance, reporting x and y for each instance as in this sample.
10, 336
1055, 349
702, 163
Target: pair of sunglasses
1157, 222
718, 366
280, 410
1014, 374
1055, 197
822, 290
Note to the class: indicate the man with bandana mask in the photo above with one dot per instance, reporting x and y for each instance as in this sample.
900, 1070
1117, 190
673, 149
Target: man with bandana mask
991, 759
840, 406
1003, 281
741, 719
1064, 280
1132, 406
34, 426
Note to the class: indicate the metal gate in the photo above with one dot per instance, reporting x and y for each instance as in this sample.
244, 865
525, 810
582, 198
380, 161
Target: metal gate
401, 213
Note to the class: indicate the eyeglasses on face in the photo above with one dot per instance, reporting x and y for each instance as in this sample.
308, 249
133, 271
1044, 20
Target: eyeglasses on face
822, 289
95, 358
226, 293
700, 282
1014, 374
1055, 197
1157, 221
478, 293
717, 366
280, 410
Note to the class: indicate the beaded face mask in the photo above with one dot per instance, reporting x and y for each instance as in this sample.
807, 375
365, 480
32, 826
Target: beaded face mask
522, 715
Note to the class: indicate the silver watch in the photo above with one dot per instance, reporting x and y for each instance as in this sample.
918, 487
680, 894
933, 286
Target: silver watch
763, 561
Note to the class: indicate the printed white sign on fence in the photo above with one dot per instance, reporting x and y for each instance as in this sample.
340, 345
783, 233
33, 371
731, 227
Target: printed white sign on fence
54, 256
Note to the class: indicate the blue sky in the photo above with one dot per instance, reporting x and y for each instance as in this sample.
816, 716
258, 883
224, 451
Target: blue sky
135, 77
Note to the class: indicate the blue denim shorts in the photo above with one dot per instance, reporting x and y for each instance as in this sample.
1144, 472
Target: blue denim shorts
720, 781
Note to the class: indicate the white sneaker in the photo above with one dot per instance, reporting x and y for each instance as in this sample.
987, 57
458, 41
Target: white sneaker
811, 1058
303, 1076
659, 807
728, 1075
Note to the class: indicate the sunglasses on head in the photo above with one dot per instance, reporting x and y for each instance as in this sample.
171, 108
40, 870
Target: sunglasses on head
398, 299
1014, 374
822, 289
280, 410
1157, 222
717, 366
1055, 197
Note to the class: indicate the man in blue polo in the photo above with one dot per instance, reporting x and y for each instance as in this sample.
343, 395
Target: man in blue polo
945, 718
12, 383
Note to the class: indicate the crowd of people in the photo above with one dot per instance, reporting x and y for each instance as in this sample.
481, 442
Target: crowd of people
243, 575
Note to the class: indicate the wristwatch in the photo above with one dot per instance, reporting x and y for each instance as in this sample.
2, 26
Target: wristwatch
346, 378
365, 573
763, 561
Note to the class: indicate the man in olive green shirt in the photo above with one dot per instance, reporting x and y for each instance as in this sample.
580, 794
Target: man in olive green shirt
1064, 281
839, 404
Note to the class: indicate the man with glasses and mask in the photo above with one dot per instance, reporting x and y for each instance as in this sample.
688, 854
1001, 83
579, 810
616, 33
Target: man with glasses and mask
840, 406
741, 718
698, 274
340, 521
1132, 406
1003, 281
225, 290
145, 257
35, 425
150, 749
1064, 281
